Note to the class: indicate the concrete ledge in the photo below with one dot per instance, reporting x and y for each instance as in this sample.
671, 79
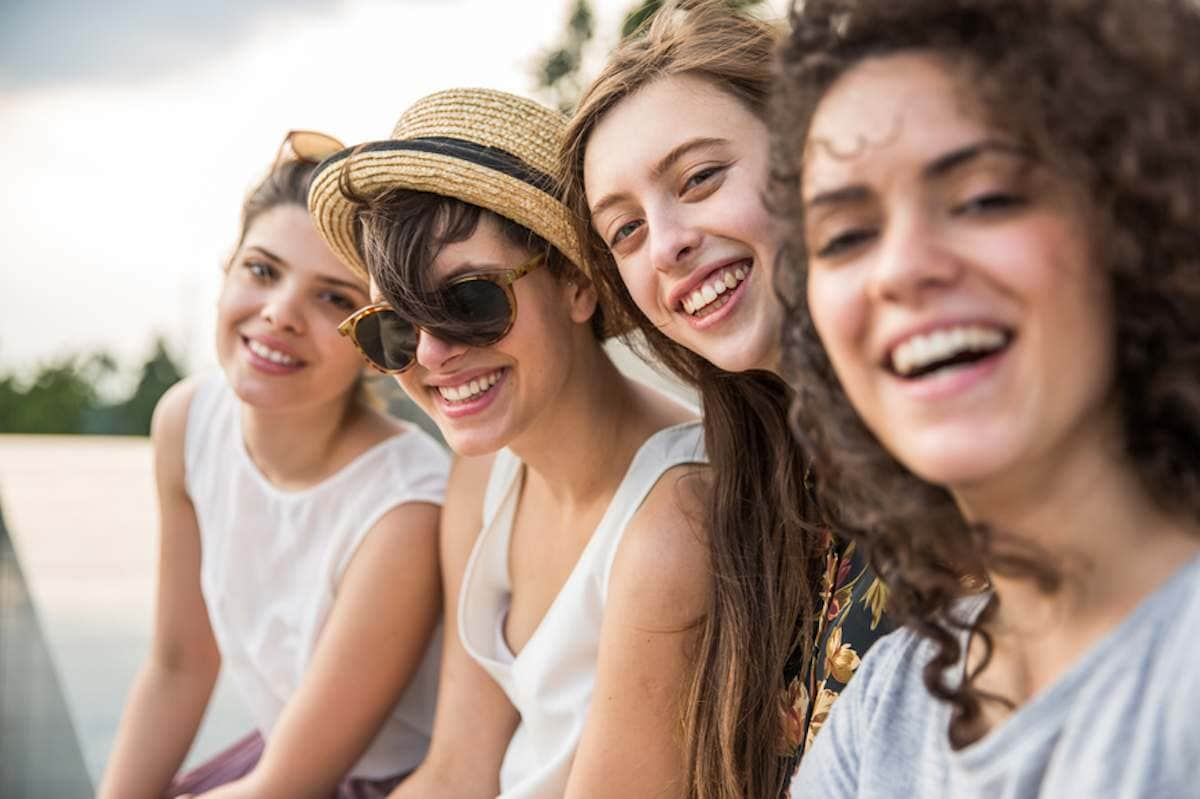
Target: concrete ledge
82, 518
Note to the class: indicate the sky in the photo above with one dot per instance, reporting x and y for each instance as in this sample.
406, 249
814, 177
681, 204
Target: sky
131, 132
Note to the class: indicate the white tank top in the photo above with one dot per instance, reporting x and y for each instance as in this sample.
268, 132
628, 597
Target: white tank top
272, 559
551, 681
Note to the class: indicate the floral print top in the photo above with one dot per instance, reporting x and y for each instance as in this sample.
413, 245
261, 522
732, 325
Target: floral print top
852, 618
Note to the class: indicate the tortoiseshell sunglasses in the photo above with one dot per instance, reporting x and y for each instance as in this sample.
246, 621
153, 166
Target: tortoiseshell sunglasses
483, 305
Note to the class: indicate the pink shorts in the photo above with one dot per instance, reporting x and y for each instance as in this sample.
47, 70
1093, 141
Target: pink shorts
239, 760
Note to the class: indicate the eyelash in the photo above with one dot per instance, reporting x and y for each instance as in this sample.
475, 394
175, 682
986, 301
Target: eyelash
844, 241
338, 300
701, 176
990, 202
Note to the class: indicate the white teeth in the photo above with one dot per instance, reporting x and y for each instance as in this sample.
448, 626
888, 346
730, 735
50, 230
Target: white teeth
722, 282
274, 356
920, 351
469, 390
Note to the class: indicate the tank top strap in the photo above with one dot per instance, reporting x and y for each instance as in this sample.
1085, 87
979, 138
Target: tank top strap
505, 468
670, 447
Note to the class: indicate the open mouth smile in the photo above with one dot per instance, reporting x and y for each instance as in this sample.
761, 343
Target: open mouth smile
946, 349
717, 290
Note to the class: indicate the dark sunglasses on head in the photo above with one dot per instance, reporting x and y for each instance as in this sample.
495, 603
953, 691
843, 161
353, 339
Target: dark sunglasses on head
481, 307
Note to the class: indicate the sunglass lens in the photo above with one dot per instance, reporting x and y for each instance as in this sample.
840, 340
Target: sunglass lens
484, 309
388, 341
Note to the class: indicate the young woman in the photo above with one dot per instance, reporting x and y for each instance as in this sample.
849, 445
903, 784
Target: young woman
299, 539
574, 567
995, 346
666, 164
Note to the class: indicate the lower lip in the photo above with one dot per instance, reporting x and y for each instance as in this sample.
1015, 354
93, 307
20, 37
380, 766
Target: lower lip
458, 410
267, 366
947, 385
722, 313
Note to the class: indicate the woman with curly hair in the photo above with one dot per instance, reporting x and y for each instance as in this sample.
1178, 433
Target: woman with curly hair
992, 281
665, 166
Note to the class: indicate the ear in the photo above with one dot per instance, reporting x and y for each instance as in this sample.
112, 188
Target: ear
581, 298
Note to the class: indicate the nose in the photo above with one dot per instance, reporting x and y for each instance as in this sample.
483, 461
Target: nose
283, 309
674, 240
434, 352
914, 260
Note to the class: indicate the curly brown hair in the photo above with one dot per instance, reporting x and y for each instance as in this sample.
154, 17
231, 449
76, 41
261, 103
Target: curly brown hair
766, 536
1106, 91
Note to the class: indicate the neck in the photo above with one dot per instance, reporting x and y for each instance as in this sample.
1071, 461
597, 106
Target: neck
1087, 515
293, 447
577, 448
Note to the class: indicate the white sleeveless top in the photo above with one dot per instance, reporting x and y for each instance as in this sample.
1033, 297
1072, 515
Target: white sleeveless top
271, 561
551, 681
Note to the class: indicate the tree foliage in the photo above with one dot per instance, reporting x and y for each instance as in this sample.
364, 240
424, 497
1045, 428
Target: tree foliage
559, 75
63, 396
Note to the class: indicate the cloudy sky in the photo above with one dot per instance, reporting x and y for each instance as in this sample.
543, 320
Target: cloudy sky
130, 130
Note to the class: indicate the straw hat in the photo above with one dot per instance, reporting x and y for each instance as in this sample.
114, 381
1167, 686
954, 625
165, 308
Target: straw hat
485, 147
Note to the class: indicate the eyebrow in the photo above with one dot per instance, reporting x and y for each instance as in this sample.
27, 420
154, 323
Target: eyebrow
266, 252
939, 168
660, 168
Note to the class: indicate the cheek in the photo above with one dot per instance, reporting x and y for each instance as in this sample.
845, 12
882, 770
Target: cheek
838, 310
642, 285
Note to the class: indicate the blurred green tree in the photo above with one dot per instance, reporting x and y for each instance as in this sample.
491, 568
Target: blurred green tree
558, 76
64, 397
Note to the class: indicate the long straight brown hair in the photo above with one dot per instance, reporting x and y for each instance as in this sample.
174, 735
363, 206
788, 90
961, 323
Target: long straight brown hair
765, 532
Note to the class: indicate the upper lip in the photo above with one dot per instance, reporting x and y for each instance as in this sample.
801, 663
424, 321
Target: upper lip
273, 343
685, 287
931, 325
458, 378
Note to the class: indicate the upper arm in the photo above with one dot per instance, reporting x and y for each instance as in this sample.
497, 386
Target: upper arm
183, 638
658, 594
372, 643
474, 720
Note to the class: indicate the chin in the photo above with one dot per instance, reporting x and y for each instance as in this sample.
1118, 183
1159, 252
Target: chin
956, 468
741, 358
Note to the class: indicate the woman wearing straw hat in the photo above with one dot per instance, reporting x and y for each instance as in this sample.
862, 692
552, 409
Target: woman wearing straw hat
299, 539
573, 571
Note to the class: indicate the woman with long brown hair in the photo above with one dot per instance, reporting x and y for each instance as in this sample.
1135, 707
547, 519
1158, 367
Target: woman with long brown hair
665, 165
993, 277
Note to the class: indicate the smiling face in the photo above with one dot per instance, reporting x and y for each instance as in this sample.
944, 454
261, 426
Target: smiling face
952, 280
277, 316
482, 398
674, 176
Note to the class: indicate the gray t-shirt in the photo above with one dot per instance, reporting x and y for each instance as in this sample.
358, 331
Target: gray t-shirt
1122, 722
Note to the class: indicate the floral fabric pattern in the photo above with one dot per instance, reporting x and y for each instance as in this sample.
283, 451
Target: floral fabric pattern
853, 616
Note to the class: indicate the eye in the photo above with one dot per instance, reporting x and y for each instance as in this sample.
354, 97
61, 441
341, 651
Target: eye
340, 301
624, 231
260, 270
844, 242
701, 176
990, 202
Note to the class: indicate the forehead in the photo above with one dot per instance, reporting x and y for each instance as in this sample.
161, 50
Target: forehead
486, 248
886, 113
643, 127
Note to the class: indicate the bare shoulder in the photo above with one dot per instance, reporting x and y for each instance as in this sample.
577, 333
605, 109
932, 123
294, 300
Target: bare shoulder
170, 414
168, 428
662, 572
